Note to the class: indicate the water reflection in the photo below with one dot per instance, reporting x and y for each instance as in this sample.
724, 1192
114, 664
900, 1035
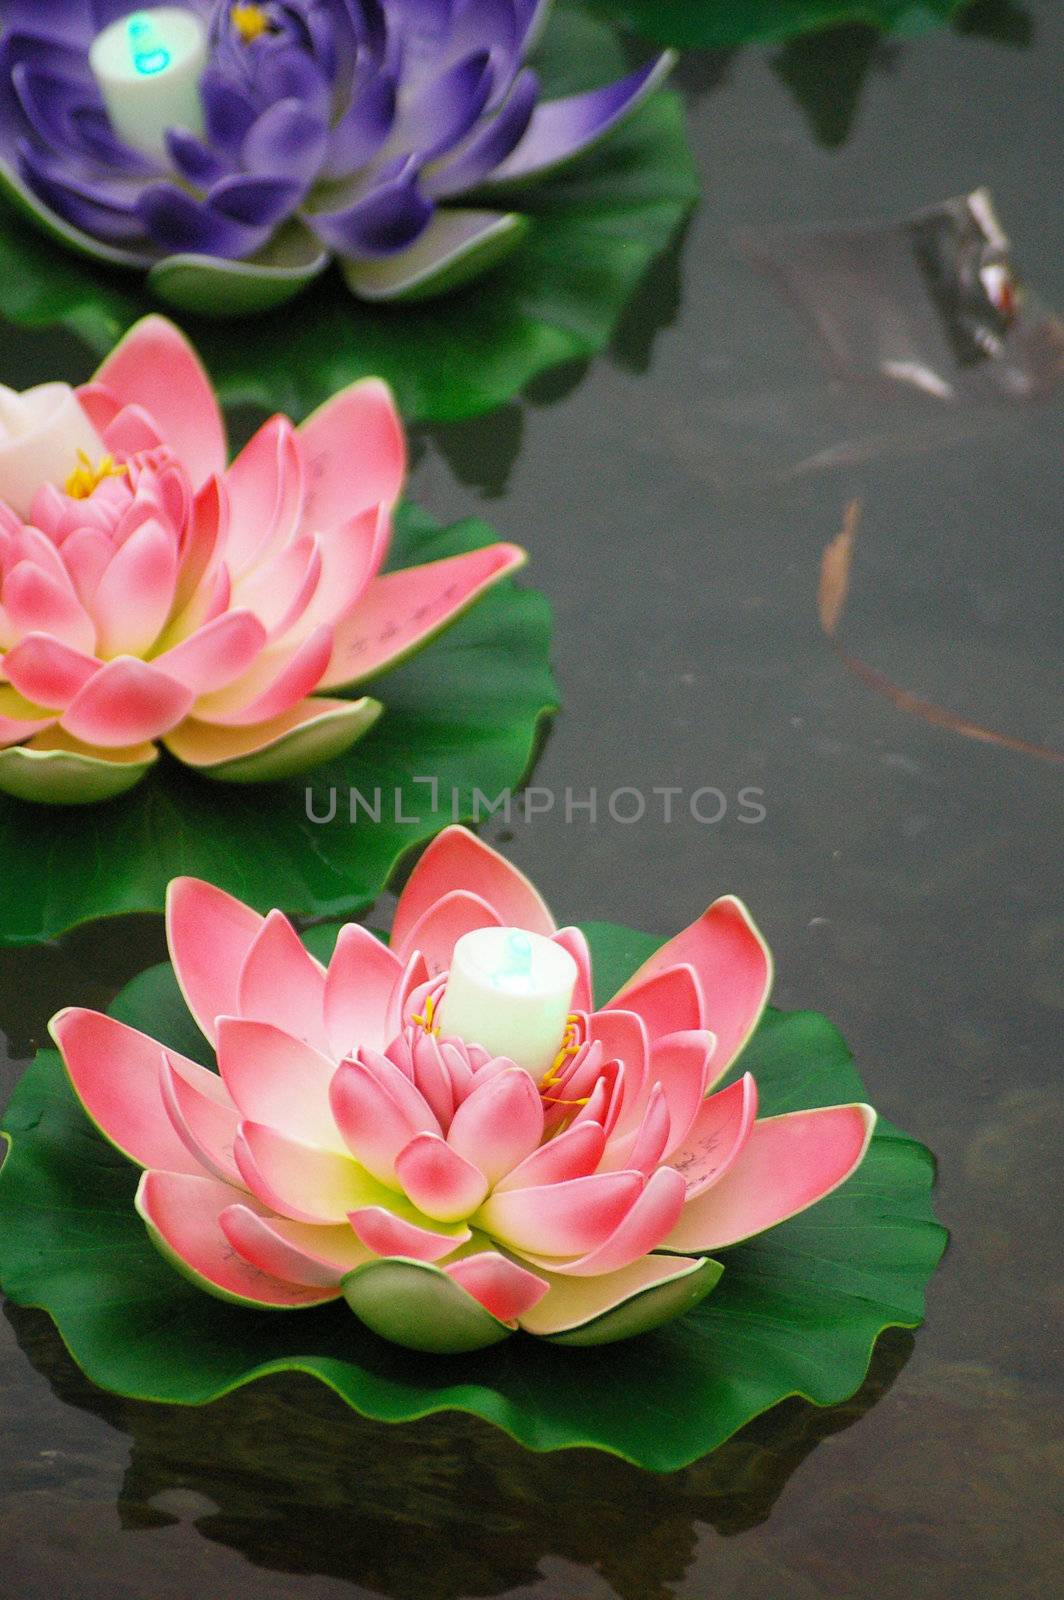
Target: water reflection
284, 1473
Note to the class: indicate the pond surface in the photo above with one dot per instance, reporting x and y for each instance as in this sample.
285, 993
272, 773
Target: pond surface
676, 499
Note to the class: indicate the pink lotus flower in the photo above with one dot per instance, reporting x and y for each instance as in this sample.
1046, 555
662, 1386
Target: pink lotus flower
149, 592
346, 1147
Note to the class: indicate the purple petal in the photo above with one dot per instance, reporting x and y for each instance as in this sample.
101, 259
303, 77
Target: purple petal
484, 24
291, 74
194, 160
490, 145
287, 141
256, 202
446, 108
181, 224
47, 102
93, 127
364, 127
228, 112
106, 211
424, 16
560, 129
389, 218
456, 246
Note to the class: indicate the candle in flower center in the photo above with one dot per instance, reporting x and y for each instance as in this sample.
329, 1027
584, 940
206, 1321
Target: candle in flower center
148, 67
43, 435
511, 992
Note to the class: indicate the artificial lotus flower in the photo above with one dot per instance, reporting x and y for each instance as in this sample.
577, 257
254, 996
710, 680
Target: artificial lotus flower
152, 594
372, 131
347, 1147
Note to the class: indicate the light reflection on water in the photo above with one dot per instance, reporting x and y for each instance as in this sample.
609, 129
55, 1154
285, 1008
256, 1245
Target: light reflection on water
909, 881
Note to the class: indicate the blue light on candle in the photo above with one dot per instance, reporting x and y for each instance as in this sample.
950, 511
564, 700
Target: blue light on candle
517, 974
149, 56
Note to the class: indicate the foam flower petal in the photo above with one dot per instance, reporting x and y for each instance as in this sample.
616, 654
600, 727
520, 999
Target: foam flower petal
358, 986
641, 1230
209, 934
734, 969
589, 1311
47, 671
439, 929
126, 702
280, 982
203, 1115
182, 1215
294, 1252
115, 1071
787, 1164
355, 453
457, 856
669, 1001
314, 731
154, 366
443, 1184
53, 769
390, 1232
419, 1306
721, 1127
561, 1219
301, 1181
401, 611
499, 1124
277, 1079
502, 1287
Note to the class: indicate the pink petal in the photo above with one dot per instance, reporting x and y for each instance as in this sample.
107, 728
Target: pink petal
282, 983
265, 487
573, 940
209, 934
440, 1182
202, 1114
362, 976
445, 922
278, 680
279, 591
787, 1164
135, 594
300, 1181
721, 1128
622, 1036
127, 701
154, 366
115, 1073
668, 1002
647, 1223
37, 601
681, 1064
278, 1080
378, 1112
48, 672
457, 859
401, 611
206, 533
734, 970
294, 1252
561, 1219
652, 1136
501, 1286
132, 432
499, 1124
571, 1302
355, 454
350, 557
387, 1234
311, 732
87, 554
572, 1154
183, 1214
19, 718
215, 655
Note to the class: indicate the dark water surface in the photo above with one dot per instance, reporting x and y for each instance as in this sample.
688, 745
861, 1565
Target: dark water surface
676, 499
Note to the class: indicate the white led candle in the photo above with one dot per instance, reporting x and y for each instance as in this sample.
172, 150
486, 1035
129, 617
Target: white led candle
510, 991
148, 67
41, 434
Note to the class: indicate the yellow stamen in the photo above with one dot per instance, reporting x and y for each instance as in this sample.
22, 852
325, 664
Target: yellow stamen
250, 22
426, 1022
569, 1048
86, 479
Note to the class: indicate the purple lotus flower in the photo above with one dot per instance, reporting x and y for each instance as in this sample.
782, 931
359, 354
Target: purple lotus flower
355, 129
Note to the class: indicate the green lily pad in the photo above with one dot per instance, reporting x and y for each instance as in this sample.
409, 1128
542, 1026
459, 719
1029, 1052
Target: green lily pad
465, 711
593, 230
797, 1312
723, 23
